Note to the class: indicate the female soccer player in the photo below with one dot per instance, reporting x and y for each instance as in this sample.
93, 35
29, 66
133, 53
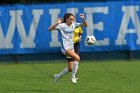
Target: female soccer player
76, 39
66, 29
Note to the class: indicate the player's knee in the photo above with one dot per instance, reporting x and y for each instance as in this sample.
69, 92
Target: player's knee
78, 59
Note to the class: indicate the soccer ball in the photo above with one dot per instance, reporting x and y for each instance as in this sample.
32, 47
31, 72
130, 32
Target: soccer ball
90, 39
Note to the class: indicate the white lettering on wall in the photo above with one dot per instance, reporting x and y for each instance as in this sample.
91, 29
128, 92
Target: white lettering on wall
54, 34
90, 11
130, 12
16, 21
74, 11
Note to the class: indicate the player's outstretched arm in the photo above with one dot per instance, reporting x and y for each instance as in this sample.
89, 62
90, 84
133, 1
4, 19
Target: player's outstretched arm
59, 20
84, 21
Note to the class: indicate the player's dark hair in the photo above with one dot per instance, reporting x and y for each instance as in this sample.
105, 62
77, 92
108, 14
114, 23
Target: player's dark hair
66, 16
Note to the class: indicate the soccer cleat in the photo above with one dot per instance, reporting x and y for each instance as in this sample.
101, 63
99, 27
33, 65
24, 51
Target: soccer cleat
73, 80
76, 77
56, 78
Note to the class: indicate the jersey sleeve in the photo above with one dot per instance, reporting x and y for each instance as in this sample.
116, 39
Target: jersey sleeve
77, 24
57, 27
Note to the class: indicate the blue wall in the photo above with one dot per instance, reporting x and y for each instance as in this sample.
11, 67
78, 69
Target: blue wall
23, 28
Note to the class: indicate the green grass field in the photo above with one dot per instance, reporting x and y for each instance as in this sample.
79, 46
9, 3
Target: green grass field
94, 77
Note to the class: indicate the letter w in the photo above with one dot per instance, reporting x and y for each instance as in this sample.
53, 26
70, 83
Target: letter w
16, 20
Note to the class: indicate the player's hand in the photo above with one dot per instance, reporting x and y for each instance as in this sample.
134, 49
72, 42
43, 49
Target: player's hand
82, 16
59, 20
79, 39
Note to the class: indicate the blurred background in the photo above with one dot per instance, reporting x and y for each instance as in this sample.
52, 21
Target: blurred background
114, 18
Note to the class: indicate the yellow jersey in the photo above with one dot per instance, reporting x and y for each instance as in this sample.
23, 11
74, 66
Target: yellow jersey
78, 31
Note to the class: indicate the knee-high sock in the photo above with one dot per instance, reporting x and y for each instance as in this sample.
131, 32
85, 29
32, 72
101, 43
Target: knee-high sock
63, 72
75, 67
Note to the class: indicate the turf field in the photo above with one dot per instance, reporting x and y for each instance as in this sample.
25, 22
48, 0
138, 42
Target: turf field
94, 77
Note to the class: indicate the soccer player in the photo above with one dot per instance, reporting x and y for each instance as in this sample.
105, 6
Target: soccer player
66, 29
76, 39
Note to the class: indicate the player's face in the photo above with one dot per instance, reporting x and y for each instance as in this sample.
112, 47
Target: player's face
70, 20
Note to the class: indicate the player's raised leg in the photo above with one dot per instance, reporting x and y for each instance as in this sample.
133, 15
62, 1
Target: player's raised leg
62, 73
